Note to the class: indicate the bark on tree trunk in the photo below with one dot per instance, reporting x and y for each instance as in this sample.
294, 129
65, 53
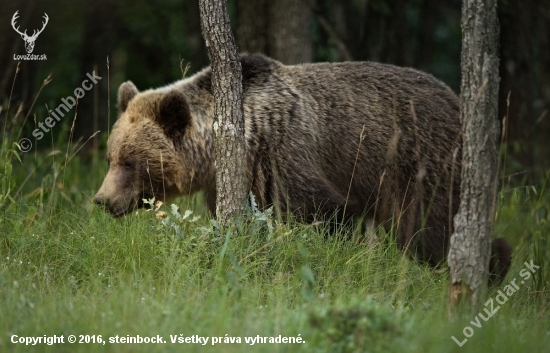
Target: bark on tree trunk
289, 32
470, 244
525, 73
252, 23
386, 36
101, 41
198, 55
229, 144
281, 29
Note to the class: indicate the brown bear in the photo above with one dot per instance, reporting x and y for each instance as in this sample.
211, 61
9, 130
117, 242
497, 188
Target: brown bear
345, 139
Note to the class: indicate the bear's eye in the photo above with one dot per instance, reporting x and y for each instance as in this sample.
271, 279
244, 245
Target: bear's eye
128, 165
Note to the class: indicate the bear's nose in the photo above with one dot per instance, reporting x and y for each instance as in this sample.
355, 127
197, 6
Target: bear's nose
99, 200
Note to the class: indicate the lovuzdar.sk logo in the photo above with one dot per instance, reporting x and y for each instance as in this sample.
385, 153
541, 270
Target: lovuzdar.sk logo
29, 40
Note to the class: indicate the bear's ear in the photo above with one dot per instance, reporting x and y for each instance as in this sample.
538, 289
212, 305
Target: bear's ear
126, 92
173, 115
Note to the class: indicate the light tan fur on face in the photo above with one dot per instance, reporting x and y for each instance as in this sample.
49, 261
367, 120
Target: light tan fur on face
144, 162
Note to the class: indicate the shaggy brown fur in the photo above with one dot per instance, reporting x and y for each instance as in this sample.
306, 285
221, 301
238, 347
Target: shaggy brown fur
309, 128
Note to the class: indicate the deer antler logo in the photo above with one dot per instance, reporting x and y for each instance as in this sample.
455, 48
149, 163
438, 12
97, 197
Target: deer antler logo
29, 40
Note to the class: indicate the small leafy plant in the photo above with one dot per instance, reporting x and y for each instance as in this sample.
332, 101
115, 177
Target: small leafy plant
174, 222
360, 326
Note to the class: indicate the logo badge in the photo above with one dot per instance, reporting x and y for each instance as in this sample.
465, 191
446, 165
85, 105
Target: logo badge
29, 40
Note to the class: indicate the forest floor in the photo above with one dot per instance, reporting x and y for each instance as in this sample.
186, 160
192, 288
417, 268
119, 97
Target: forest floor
68, 268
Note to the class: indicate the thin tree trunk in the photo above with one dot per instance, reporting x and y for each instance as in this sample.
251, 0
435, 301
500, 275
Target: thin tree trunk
290, 32
525, 73
470, 244
198, 56
100, 38
430, 13
281, 29
386, 37
229, 144
252, 23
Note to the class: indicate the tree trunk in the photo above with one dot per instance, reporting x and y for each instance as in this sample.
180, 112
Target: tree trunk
430, 14
525, 73
289, 32
229, 144
386, 35
198, 56
470, 244
252, 23
100, 40
281, 29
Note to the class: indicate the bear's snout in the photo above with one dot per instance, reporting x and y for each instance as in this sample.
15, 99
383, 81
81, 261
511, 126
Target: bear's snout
117, 199
99, 200
114, 207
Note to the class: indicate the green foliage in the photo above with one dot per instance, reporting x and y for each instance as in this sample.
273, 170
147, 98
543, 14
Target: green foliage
7, 181
524, 212
67, 267
361, 326
8, 152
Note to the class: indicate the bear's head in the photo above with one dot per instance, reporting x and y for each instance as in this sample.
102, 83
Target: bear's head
150, 151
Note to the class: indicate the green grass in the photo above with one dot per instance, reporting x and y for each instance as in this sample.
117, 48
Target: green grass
67, 268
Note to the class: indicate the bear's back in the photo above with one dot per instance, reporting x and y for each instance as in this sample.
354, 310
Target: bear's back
317, 112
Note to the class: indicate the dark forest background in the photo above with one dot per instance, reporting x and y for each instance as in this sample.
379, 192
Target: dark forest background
146, 41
